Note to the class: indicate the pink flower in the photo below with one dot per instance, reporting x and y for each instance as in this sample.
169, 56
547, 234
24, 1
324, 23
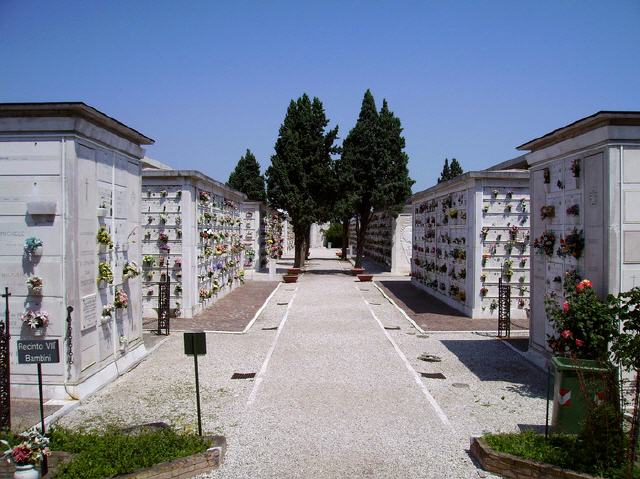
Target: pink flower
565, 307
566, 334
21, 453
579, 343
585, 283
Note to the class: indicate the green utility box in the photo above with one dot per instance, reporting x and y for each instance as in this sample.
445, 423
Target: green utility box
578, 383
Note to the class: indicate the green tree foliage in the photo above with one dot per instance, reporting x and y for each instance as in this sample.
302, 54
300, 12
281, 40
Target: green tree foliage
246, 178
450, 171
374, 165
300, 179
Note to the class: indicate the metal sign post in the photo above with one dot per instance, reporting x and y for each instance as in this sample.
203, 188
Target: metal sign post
5, 367
39, 351
195, 343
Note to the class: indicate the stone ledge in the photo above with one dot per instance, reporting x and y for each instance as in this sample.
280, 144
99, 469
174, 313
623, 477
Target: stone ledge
513, 467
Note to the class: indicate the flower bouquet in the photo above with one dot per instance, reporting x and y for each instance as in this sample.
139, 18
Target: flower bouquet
29, 451
545, 244
35, 285
121, 300
33, 246
130, 270
35, 319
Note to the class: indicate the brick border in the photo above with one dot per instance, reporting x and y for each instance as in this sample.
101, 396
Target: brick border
513, 467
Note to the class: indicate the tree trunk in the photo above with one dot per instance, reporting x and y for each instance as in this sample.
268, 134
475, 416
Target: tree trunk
307, 240
365, 219
345, 237
300, 248
635, 421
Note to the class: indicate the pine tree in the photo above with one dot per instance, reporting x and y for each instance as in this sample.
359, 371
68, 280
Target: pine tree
374, 161
456, 169
246, 178
300, 179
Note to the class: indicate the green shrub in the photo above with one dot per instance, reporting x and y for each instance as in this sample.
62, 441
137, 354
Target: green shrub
104, 454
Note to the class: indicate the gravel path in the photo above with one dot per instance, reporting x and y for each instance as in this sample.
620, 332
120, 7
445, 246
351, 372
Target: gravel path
338, 391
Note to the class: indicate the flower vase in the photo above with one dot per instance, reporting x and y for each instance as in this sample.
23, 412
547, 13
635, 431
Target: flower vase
37, 291
26, 471
102, 248
37, 251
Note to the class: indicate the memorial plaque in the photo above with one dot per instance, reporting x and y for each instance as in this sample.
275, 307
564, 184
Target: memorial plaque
33, 351
89, 311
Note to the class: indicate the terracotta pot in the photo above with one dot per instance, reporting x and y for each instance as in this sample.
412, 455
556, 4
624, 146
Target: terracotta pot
294, 271
290, 278
365, 277
357, 271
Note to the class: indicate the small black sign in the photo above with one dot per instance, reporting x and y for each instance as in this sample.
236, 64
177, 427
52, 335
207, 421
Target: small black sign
34, 351
195, 343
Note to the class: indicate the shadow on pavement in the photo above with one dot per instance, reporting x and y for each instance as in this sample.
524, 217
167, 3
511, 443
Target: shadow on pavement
489, 360
419, 302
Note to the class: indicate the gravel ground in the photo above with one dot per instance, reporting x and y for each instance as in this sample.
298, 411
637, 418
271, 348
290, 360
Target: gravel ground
334, 396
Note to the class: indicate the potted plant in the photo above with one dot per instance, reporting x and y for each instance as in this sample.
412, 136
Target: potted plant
584, 326
35, 284
33, 247
27, 453
104, 239
365, 277
35, 319
290, 278
105, 275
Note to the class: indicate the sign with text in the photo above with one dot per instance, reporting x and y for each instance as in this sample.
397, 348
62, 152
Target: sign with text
34, 351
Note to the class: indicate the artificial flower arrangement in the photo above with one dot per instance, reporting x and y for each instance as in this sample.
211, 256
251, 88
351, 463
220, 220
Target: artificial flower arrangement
163, 193
485, 257
130, 269
177, 263
163, 238
208, 251
483, 277
560, 184
509, 194
548, 211
545, 244
104, 272
546, 174
178, 232
573, 210
484, 232
121, 300
204, 197
178, 220
148, 260
107, 310
35, 319
513, 232
575, 168
523, 205
572, 244
147, 235
35, 284
179, 194
30, 449
494, 193
485, 209
523, 262
163, 218
507, 208
483, 291
507, 272
178, 289
204, 294
104, 238
33, 246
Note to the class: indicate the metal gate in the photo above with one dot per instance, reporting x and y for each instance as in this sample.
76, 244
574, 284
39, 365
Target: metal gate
5, 371
504, 309
164, 303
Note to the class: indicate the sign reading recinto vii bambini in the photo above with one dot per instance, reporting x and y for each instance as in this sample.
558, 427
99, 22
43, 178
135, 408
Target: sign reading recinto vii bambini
33, 351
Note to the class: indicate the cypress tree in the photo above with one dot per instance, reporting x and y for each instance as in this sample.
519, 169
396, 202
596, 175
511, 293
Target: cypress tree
374, 160
446, 172
456, 169
246, 178
300, 178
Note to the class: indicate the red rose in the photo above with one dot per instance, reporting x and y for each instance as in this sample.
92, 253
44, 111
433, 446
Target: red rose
566, 334
565, 307
579, 343
585, 283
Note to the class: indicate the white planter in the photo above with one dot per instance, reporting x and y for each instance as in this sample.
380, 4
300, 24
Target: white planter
35, 291
28, 471
102, 248
102, 212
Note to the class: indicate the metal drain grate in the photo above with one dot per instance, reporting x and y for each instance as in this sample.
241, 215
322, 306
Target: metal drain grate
460, 385
282, 303
243, 375
375, 304
392, 328
433, 375
270, 329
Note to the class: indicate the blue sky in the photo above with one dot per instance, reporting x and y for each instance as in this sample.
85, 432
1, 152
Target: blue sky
207, 80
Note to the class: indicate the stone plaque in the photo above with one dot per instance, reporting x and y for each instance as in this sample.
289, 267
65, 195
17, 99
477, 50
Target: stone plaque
632, 246
631, 210
88, 311
631, 165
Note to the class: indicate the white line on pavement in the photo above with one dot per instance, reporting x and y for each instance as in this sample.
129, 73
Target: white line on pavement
434, 404
265, 364
402, 311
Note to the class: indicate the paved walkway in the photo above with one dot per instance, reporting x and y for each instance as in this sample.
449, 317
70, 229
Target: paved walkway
336, 397
340, 389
